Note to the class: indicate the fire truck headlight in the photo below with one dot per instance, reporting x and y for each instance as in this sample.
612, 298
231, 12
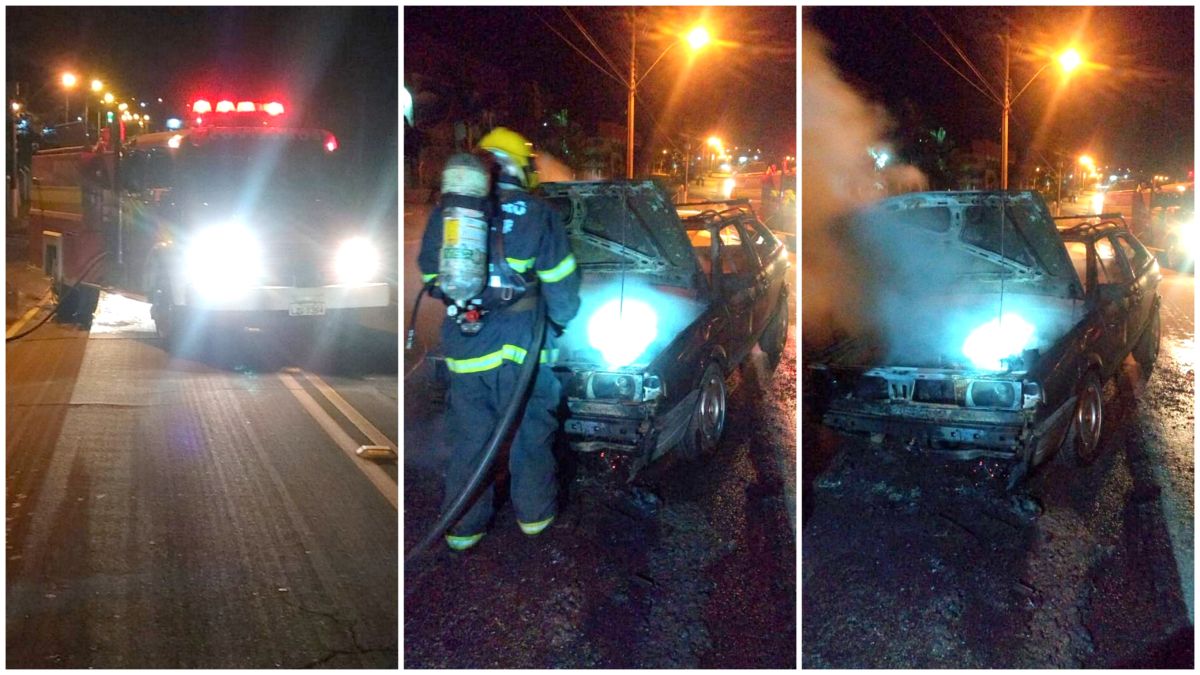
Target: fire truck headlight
223, 260
357, 261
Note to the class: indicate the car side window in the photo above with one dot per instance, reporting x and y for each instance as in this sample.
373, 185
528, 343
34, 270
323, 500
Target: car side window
1110, 268
1078, 251
765, 242
1137, 256
735, 256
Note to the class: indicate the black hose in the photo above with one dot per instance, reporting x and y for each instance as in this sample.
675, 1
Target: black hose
524, 381
72, 289
411, 335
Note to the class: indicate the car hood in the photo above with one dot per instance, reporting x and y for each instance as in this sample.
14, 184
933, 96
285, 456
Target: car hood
624, 225
932, 268
969, 229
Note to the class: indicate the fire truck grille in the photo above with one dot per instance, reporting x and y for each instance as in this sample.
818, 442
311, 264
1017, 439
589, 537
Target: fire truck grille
299, 269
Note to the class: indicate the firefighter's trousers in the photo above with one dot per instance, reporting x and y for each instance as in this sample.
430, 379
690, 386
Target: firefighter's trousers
476, 403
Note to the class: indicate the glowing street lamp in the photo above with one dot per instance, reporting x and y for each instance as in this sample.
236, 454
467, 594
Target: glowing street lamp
1068, 60
696, 39
97, 85
109, 98
68, 82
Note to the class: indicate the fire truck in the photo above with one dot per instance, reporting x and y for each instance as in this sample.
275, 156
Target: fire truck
234, 216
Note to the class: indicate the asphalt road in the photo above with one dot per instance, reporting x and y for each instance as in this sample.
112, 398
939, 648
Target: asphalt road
203, 510
912, 562
692, 565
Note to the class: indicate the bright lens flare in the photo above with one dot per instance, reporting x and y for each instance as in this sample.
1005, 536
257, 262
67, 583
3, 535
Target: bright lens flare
1069, 60
988, 345
357, 261
223, 261
622, 332
727, 187
698, 38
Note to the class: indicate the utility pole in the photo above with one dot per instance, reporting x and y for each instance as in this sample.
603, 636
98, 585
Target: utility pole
1058, 203
687, 161
1004, 119
632, 91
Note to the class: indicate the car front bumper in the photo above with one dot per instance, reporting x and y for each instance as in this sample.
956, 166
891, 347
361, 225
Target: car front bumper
963, 432
636, 428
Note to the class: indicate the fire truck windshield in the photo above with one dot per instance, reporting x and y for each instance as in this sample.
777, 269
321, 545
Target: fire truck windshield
256, 169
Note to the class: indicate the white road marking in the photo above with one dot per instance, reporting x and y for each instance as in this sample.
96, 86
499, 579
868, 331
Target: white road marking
374, 473
20, 323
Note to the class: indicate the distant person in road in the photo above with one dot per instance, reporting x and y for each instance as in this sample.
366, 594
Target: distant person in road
484, 366
767, 182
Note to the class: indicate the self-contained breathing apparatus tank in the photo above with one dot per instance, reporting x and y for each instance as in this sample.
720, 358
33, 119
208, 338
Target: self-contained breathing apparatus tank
473, 279
462, 267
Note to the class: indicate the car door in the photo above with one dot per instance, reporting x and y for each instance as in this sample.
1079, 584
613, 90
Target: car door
1144, 280
770, 279
1114, 282
737, 273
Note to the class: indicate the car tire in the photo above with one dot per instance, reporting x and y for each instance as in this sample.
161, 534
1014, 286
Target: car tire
1146, 350
707, 422
1083, 437
774, 337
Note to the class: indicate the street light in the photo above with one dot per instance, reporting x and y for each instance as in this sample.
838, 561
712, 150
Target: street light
1068, 60
68, 82
697, 39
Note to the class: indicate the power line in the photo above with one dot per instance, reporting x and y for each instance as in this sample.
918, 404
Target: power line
580, 52
592, 42
956, 70
961, 54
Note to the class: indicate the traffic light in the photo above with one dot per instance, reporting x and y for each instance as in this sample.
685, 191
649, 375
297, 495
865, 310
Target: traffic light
110, 117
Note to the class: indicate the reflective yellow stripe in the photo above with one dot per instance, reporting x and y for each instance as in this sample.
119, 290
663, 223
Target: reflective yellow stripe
495, 359
519, 265
560, 271
428, 277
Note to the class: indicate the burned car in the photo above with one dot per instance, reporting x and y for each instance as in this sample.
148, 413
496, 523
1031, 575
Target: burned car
669, 307
990, 330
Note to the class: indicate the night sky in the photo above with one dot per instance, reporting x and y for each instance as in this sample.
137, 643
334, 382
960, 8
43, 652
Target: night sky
335, 68
1135, 107
743, 87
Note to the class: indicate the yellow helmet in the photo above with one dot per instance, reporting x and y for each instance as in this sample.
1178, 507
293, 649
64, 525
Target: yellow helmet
509, 142
516, 149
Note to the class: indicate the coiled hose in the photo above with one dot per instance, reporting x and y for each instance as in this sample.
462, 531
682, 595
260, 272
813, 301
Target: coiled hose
72, 289
524, 381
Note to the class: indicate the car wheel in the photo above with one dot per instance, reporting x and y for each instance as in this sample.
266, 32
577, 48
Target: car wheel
1146, 350
1087, 421
774, 337
708, 417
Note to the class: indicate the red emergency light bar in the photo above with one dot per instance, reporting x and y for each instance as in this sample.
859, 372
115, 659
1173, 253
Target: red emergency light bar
203, 107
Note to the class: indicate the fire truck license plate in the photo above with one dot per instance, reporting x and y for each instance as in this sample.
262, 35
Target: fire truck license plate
306, 309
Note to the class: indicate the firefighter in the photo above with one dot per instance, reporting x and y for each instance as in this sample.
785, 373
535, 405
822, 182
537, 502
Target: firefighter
483, 367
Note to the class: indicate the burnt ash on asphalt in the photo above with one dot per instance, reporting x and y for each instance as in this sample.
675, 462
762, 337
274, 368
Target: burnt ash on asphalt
914, 562
693, 566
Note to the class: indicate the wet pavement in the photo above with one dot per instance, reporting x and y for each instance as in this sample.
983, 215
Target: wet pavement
914, 562
691, 566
